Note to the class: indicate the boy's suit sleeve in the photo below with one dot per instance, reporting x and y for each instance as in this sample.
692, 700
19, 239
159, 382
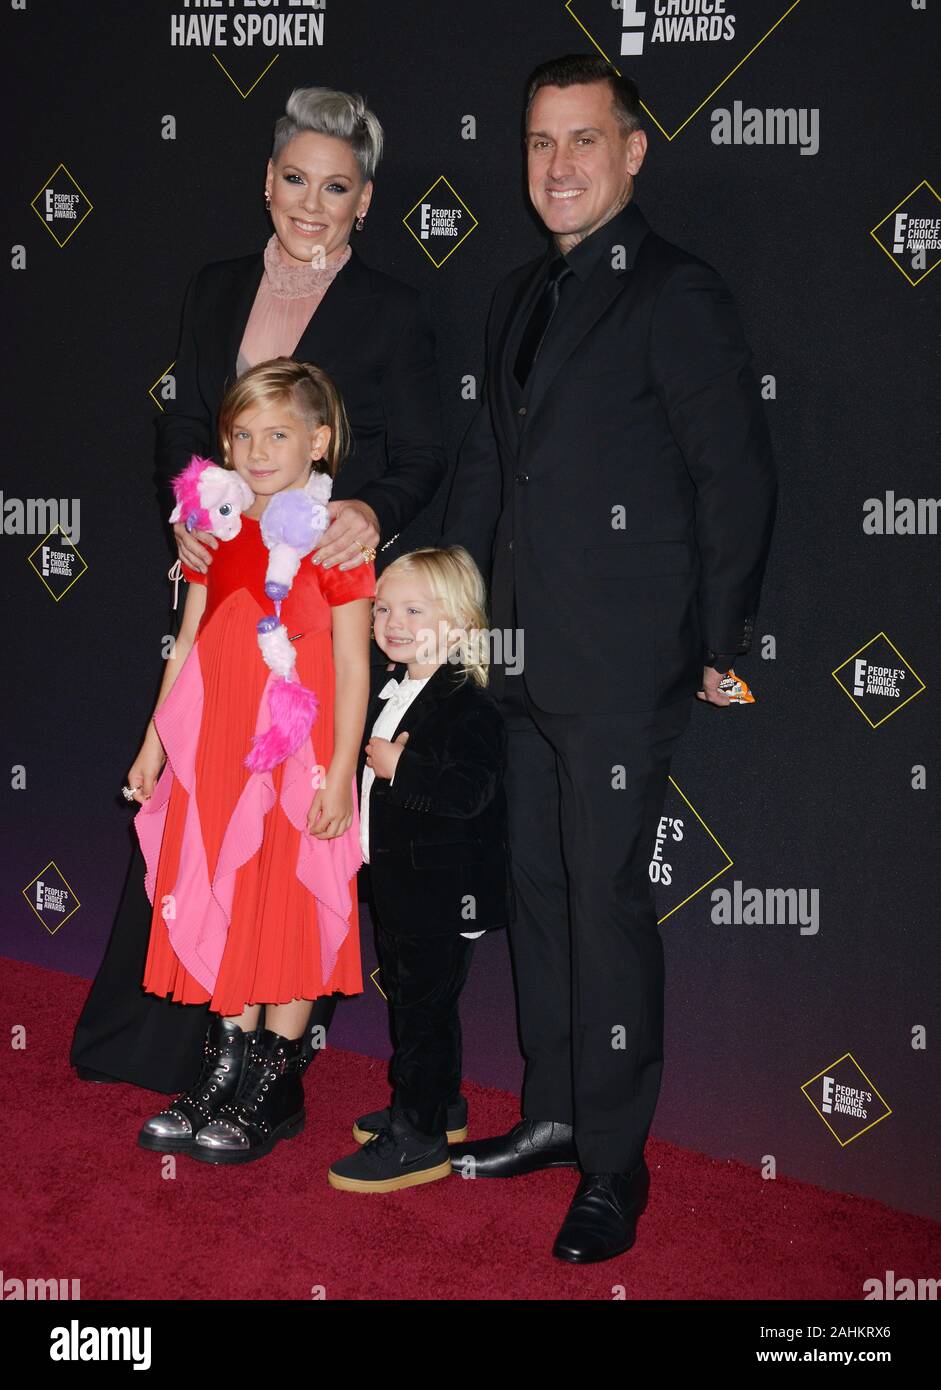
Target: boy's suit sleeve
463, 777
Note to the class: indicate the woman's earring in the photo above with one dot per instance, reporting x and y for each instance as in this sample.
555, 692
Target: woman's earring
360, 223
267, 201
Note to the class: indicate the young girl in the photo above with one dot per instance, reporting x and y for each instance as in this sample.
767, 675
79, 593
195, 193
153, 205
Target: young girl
434, 832
252, 874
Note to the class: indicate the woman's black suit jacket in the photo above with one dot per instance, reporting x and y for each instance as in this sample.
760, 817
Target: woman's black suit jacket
438, 843
371, 333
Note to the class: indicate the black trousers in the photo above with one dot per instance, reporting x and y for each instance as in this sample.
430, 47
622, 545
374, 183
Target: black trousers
422, 978
586, 948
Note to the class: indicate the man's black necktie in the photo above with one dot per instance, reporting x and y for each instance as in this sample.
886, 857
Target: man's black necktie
539, 319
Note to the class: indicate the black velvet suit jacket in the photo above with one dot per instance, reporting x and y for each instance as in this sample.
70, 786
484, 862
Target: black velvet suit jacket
626, 498
371, 333
438, 831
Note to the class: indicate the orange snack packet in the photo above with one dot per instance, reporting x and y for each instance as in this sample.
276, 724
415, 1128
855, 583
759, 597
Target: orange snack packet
736, 689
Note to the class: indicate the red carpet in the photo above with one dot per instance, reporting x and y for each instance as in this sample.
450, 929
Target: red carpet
82, 1201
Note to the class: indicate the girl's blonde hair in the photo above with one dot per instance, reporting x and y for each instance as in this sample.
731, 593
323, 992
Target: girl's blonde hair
457, 585
309, 392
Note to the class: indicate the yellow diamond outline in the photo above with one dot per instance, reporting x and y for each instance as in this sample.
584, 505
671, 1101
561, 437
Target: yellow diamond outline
162, 377
377, 984
57, 527
872, 232
831, 1066
441, 178
905, 662
712, 837
792, 6
68, 886
245, 95
42, 188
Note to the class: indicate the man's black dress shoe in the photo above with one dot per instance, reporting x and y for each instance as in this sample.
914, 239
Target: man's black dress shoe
529, 1146
602, 1219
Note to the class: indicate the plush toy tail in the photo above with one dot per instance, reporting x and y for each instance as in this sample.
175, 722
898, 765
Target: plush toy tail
292, 708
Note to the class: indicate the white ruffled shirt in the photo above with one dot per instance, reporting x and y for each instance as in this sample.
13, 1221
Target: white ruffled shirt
398, 695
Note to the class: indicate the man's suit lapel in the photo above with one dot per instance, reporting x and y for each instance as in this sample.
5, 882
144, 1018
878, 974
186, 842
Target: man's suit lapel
506, 343
599, 291
603, 286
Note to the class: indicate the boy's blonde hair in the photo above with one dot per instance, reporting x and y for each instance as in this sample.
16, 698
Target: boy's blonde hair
309, 392
457, 585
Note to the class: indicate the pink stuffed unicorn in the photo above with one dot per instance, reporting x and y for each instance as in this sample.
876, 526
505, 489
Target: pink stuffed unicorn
213, 499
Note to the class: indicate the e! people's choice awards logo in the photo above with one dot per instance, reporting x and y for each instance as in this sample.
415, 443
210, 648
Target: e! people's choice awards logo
680, 52
686, 857
910, 235
878, 680
57, 562
61, 205
440, 221
51, 898
845, 1099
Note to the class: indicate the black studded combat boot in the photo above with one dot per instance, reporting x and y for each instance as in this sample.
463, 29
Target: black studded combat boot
268, 1107
225, 1059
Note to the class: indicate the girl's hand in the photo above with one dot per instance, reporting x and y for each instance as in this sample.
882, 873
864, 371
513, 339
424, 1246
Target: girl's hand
145, 770
189, 549
383, 756
331, 811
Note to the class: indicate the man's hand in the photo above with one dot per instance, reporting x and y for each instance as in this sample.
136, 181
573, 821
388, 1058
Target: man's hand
710, 691
189, 549
350, 521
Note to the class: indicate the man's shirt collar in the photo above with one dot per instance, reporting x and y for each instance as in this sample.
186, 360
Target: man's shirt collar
621, 230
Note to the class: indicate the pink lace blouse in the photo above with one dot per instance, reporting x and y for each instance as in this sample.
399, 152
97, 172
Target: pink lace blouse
287, 297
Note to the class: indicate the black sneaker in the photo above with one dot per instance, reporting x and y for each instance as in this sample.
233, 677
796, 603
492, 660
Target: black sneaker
455, 1121
396, 1156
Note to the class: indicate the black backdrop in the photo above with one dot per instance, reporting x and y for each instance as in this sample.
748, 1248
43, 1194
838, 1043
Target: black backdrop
150, 158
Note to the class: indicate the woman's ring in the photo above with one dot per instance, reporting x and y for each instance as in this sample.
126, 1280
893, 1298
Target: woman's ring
368, 553
127, 793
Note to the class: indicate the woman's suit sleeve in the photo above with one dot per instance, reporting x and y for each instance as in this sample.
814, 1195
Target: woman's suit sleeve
186, 425
475, 497
412, 404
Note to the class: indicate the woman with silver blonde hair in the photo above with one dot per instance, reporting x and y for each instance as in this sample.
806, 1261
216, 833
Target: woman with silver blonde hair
307, 294
326, 112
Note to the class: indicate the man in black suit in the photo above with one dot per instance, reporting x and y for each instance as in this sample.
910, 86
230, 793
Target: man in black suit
617, 487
